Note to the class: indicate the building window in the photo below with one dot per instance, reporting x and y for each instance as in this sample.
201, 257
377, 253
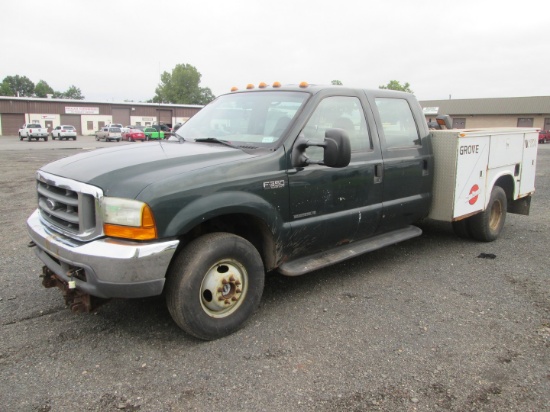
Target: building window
459, 122
525, 122
90, 125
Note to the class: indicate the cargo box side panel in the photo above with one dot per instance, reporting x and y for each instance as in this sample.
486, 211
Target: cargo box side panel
472, 160
444, 144
529, 164
506, 149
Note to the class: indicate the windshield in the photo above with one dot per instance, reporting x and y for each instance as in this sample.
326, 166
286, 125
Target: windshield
256, 118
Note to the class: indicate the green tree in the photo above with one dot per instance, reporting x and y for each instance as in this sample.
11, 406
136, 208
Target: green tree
182, 87
42, 89
337, 83
20, 86
395, 85
74, 93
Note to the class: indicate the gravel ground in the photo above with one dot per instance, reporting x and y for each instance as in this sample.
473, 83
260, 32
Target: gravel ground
426, 325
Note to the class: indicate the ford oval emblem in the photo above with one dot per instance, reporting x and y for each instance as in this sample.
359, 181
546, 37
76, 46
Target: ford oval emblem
51, 204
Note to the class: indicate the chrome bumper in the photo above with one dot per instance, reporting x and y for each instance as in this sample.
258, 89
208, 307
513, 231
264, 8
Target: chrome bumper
114, 268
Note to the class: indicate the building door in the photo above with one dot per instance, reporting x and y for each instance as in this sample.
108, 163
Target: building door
165, 117
11, 123
73, 120
121, 116
49, 125
459, 123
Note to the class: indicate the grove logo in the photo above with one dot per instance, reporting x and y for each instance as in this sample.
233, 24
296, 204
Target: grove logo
474, 194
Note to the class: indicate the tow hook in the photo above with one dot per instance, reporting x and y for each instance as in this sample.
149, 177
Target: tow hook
75, 299
31, 244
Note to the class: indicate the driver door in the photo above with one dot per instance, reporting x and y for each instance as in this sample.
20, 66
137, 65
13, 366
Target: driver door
334, 206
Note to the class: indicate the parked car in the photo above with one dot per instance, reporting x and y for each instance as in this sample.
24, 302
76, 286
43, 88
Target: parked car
544, 136
109, 134
152, 133
138, 127
163, 128
64, 131
133, 134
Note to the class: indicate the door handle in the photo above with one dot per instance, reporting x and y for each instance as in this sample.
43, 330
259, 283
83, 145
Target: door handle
378, 173
425, 168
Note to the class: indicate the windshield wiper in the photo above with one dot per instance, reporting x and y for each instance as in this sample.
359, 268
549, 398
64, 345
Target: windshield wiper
215, 140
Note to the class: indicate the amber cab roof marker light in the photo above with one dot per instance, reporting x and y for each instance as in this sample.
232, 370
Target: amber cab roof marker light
304, 84
249, 86
262, 85
234, 88
276, 84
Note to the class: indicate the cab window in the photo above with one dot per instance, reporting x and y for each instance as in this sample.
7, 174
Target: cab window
338, 112
397, 123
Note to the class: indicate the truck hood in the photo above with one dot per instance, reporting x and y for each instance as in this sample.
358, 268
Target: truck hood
124, 171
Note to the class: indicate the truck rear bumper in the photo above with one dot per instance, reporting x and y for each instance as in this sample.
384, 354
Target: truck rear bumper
106, 268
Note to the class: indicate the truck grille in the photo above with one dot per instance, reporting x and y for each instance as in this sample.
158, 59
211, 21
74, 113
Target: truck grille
68, 206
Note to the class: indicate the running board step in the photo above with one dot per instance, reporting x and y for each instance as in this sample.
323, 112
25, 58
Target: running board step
330, 257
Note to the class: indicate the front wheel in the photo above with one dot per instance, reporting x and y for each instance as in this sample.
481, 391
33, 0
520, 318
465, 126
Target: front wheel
487, 225
214, 285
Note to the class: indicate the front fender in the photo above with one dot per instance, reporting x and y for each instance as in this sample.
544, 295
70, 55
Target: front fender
205, 208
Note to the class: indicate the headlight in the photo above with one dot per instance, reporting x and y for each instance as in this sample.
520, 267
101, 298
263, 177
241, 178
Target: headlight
128, 219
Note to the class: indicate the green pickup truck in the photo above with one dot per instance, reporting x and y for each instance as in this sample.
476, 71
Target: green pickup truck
153, 134
279, 178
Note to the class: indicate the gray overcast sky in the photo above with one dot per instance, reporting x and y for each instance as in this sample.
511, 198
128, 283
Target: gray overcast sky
115, 50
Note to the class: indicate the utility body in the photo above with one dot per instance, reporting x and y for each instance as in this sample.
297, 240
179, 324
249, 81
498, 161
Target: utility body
288, 179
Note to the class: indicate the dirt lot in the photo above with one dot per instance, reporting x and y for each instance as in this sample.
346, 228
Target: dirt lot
425, 325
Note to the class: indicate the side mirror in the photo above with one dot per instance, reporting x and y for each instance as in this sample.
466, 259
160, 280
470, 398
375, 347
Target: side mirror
337, 150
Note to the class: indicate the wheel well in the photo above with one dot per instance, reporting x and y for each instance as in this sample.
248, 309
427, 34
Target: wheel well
246, 226
507, 184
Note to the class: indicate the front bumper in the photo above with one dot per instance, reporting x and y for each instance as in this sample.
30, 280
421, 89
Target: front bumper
107, 267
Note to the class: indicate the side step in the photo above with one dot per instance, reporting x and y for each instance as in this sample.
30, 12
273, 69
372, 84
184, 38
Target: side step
320, 260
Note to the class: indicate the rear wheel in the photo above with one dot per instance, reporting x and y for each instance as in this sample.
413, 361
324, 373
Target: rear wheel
214, 285
487, 225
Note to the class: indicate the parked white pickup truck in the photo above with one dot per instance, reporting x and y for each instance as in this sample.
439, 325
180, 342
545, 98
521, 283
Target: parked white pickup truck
33, 131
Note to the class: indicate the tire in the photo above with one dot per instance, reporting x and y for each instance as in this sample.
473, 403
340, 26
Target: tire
487, 225
45, 139
214, 285
20, 137
462, 229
